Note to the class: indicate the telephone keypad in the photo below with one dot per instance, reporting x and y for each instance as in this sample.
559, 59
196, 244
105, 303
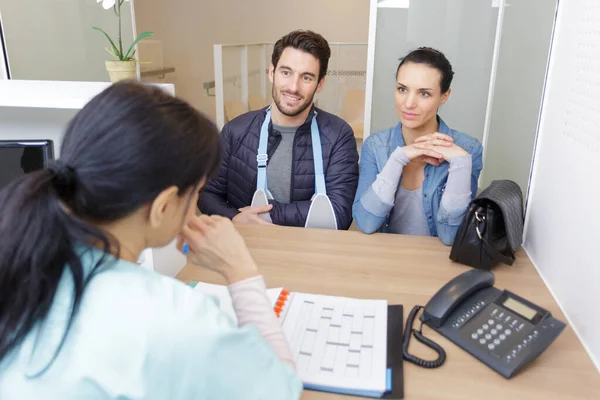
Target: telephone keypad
462, 319
522, 345
491, 332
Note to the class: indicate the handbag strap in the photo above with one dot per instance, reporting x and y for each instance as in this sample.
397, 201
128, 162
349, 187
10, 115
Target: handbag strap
495, 254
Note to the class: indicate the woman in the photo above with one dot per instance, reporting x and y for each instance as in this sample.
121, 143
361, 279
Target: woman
418, 177
79, 318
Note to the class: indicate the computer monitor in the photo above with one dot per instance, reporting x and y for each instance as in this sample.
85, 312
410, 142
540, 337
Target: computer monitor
18, 157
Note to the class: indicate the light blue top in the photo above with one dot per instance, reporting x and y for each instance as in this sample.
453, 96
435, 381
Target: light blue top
371, 214
142, 335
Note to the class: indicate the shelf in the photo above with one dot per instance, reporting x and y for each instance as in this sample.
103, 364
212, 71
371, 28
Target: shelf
53, 94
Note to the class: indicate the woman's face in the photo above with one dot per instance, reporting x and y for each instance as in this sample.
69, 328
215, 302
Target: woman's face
418, 94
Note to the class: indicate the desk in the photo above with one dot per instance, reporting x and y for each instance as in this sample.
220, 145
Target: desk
408, 270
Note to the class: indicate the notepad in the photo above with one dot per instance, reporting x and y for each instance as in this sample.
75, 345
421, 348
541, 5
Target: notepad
339, 343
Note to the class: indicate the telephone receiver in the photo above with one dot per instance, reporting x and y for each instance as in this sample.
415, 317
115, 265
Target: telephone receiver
502, 330
453, 293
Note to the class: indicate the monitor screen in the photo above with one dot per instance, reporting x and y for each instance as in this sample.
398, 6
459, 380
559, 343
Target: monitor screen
20, 157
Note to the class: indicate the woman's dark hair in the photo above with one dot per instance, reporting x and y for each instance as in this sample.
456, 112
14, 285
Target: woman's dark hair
435, 59
119, 152
307, 41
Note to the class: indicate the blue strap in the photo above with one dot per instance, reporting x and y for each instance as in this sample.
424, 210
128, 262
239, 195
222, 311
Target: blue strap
262, 157
318, 157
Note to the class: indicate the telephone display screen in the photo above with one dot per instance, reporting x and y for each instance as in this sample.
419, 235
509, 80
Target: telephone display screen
520, 308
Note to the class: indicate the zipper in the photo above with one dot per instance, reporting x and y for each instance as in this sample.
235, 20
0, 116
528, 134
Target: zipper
293, 164
296, 135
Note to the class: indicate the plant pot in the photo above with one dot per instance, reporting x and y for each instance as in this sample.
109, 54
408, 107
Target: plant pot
120, 70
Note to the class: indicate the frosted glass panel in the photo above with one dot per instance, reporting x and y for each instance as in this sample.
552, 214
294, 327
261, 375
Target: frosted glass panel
54, 40
520, 76
464, 30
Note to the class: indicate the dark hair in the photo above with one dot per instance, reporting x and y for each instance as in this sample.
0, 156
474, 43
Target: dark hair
307, 41
119, 152
435, 59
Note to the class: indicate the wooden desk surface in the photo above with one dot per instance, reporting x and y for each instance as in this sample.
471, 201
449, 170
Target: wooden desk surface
409, 270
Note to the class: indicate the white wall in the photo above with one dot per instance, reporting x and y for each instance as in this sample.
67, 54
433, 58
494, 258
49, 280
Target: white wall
18, 123
561, 232
54, 39
521, 72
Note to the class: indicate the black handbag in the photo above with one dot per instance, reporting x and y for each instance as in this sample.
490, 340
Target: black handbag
492, 228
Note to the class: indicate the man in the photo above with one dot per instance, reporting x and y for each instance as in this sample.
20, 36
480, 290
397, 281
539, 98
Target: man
298, 68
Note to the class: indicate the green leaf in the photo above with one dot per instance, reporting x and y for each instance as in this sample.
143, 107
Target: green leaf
112, 53
115, 49
142, 35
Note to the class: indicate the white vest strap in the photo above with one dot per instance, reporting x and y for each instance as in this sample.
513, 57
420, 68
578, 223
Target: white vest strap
259, 200
321, 213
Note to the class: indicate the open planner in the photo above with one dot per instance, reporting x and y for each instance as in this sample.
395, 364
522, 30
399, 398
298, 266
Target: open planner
339, 343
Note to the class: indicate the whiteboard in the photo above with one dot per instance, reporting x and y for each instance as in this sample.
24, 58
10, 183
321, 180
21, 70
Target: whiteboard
562, 229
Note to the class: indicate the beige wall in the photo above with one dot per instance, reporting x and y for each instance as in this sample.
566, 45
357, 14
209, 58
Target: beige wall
189, 28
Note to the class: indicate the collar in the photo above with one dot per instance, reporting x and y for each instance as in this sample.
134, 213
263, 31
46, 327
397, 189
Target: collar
302, 127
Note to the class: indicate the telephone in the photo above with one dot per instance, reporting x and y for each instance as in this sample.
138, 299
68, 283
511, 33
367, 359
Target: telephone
499, 328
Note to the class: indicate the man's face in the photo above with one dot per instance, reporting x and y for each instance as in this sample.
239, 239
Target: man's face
295, 81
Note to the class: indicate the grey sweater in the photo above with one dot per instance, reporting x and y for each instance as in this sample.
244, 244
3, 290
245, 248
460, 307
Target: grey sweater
279, 168
408, 215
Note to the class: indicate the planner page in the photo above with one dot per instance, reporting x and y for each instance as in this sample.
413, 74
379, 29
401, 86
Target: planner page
338, 342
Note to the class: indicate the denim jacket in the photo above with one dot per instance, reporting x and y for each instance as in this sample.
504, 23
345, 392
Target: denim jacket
371, 214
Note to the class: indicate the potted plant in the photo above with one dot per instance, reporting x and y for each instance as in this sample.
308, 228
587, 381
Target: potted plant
124, 67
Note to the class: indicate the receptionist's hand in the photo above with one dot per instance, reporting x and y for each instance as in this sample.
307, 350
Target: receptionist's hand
214, 243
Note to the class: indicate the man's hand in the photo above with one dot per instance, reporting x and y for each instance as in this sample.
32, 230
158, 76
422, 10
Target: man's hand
250, 215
